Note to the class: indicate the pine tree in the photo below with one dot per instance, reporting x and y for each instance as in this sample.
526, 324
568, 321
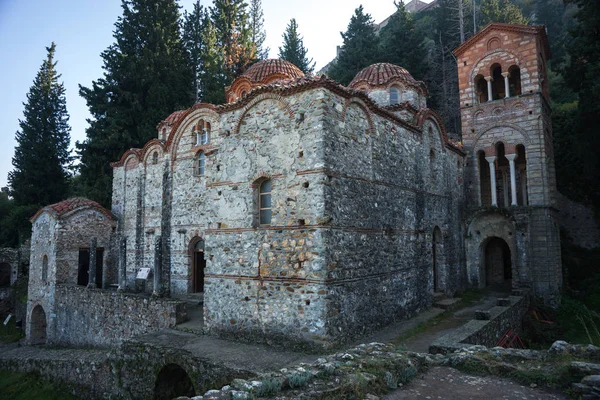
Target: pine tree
42, 157
147, 76
360, 48
500, 11
402, 44
257, 29
293, 49
233, 36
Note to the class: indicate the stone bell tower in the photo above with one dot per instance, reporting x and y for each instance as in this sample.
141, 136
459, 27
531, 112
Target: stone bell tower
512, 237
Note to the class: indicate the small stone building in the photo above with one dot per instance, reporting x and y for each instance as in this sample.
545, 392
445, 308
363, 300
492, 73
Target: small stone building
307, 212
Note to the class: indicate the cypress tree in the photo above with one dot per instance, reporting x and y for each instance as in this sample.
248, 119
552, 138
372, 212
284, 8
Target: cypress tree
257, 29
147, 76
42, 157
402, 44
192, 37
360, 48
293, 49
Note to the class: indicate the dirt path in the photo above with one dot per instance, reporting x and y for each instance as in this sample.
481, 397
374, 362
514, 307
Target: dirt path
450, 384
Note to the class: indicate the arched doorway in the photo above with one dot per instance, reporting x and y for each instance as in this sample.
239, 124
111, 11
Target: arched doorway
38, 325
5, 274
498, 266
173, 382
437, 258
198, 265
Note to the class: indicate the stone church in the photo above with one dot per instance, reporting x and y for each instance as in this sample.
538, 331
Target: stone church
306, 212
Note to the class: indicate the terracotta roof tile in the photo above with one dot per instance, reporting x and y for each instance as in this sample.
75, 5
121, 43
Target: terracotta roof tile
380, 74
263, 69
61, 208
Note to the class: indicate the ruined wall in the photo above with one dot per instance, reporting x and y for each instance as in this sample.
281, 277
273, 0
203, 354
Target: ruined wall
387, 188
95, 317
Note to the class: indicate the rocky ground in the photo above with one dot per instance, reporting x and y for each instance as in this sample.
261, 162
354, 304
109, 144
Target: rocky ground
381, 371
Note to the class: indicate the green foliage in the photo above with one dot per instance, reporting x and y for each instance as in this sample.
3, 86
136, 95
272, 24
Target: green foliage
298, 379
42, 157
293, 49
147, 76
9, 333
581, 75
360, 48
500, 11
269, 386
19, 386
402, 44
233, 36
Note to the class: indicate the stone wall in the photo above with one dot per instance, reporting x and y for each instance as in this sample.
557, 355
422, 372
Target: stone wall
95, 317
488, 329
580, 223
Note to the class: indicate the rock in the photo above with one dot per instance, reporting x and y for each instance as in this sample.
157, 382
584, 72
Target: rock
370, 396
182, 398
240, 395
559, 347
592, 380
198, 398
584, 368
580, 388
241, 384
216, 395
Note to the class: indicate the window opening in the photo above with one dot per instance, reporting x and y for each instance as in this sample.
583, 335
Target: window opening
264, 202
200, 163
394, 96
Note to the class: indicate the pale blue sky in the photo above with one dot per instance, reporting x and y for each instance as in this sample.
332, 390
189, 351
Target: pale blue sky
82, 29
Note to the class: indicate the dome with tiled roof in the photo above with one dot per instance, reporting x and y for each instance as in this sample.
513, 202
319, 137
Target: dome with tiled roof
390, 85
381, 74
265, 72
70, 205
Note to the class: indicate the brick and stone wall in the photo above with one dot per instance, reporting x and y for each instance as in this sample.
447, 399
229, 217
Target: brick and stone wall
580, 223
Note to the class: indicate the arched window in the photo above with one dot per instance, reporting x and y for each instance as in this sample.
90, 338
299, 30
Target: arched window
164, 134
481, 89
45, 268
202, 132
502, 176
497, 82
155, 158
200, 163
484, 180
394, 95
264, 202
514, 80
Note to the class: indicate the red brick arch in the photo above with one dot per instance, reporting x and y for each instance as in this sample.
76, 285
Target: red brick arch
258, 99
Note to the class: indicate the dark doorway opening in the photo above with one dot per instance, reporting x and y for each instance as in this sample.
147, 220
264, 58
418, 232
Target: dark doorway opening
4, 274
173, 382
84, 267
38, 325
199, 264
498, 267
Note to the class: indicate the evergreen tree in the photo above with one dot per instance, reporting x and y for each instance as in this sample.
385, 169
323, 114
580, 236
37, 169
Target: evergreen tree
147, 76
42, 157
257, 29
293, 49
500, 11
402, 43
360, 48
581, 75
214, 77
233, 36
192, 37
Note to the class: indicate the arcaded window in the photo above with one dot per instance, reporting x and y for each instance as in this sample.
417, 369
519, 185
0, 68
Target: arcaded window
202, 132
514, 80
484, 180
394, 96
481, 89
497, 82
45, 268
521, 171
264, 202
200, 163
155, 158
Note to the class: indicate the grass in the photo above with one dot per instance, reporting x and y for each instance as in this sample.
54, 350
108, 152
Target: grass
19, 386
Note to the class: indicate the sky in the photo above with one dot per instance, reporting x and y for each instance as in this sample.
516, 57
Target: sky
82, 29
